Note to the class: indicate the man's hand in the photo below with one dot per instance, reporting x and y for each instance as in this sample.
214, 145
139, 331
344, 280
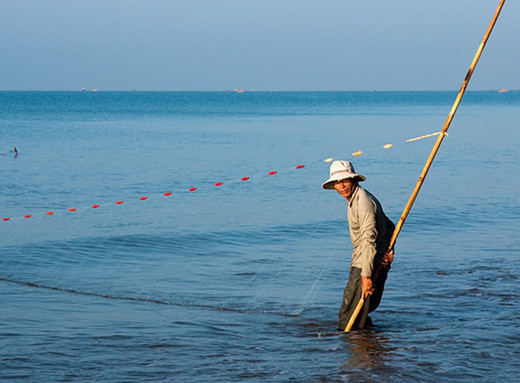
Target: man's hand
367, 287
388, 258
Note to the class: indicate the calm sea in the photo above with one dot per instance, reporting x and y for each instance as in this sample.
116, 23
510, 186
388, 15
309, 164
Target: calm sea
242, 281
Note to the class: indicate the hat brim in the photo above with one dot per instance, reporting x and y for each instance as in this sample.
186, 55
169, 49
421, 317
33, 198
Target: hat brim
329, 184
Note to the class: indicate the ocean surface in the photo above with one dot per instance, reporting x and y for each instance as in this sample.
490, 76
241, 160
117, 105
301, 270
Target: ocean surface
242, 281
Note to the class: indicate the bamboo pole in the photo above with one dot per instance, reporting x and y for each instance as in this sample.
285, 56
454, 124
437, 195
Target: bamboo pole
429, 161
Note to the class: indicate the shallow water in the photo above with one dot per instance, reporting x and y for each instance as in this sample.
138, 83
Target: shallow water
243, 281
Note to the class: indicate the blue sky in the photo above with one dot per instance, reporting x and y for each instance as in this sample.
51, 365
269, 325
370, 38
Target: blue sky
255, 45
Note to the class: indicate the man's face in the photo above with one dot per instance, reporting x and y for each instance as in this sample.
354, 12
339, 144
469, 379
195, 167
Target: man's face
345, 187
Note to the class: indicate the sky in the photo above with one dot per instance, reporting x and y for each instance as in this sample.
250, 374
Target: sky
279, 45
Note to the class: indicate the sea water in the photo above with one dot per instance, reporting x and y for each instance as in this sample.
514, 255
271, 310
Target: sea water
242, 281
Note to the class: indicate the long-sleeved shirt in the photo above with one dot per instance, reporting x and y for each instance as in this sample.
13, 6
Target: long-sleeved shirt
370, 230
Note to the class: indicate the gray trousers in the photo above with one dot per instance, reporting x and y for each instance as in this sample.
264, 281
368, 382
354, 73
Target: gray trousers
351, 296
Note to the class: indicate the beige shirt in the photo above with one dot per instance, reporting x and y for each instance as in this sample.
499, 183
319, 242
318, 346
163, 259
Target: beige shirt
370, 230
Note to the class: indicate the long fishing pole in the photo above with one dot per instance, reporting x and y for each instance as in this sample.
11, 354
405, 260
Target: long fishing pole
430, 159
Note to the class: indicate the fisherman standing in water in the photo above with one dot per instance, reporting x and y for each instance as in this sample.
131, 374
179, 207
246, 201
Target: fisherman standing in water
370, 233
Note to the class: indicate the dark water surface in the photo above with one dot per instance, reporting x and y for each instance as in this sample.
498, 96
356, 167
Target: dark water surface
243, 281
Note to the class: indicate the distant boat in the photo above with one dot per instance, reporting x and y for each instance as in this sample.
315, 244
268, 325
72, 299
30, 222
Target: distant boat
239, 90
503, 90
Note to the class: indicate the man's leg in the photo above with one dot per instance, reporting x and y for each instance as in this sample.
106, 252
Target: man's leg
376, 296
351, 296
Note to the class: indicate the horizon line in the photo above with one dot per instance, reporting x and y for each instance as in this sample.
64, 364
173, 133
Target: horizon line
96, 90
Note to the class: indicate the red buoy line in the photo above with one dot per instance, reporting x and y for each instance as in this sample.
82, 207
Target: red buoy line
243, 179
144, 198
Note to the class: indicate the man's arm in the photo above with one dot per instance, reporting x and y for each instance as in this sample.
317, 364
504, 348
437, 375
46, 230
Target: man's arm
367, 211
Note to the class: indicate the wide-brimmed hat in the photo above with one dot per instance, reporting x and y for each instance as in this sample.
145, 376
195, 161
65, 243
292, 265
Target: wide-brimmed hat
340, 170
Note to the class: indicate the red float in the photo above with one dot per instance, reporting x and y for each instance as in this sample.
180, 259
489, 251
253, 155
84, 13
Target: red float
143, 198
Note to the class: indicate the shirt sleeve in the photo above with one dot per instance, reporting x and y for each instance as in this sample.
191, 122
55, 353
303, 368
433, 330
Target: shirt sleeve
368, 234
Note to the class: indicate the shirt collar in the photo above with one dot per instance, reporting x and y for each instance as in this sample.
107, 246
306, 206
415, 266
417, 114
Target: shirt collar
353, 196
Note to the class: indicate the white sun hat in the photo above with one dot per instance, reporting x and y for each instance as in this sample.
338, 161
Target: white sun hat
340, 170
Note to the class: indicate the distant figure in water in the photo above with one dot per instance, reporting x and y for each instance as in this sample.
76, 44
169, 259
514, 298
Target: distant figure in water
15, 152
370, 233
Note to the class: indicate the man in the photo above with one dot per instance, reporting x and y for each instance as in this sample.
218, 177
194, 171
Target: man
370, 233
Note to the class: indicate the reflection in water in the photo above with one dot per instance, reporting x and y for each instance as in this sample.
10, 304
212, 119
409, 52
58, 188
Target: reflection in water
367, 355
